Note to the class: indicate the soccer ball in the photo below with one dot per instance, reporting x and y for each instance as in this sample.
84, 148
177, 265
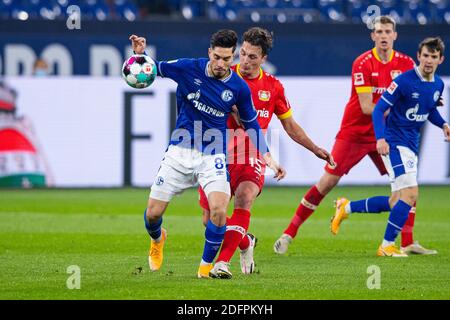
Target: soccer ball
139, 71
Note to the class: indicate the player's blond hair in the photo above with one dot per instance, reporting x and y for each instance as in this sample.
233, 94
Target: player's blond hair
385, 20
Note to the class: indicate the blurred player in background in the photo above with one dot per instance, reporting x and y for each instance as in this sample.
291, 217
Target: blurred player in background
206, 93
245, 166
372, 73
411, 99
22, 160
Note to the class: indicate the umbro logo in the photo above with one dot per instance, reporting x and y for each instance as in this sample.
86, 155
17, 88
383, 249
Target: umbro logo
197, 81
415, 95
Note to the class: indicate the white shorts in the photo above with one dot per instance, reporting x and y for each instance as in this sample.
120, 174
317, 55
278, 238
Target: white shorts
401, 165
182, 168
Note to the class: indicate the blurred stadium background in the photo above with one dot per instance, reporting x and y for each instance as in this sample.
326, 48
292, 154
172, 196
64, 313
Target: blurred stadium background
112, 135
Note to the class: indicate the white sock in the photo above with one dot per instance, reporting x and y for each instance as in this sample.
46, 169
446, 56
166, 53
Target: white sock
347, 208
387, 243
203, 263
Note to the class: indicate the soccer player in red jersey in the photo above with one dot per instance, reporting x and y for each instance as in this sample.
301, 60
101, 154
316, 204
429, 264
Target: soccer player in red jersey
245, 166
372, 73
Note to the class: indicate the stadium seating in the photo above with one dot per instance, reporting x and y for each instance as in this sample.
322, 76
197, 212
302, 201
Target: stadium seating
303, 11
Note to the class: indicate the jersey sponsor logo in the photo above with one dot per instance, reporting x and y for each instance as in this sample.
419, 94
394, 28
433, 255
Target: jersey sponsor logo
263, 113
358, 79
411, 114
395, 73
436, 96
264, 95
194, 97
226, 95
392, 87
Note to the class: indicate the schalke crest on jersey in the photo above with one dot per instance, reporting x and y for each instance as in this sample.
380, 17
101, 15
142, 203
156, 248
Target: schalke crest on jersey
436, 95
226, 95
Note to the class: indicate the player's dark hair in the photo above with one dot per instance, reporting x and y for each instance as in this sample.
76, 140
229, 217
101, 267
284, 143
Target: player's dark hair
259, 37
385, 20
224, 38
433, 44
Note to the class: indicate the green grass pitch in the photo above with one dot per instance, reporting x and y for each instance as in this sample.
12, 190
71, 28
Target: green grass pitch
43, 232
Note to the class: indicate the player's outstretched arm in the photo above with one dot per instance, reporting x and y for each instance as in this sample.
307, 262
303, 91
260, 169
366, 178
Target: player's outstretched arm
138, 43
296, 133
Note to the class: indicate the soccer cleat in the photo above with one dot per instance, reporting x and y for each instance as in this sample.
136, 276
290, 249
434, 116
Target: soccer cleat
339, 215
416, 248
281, 245
221, 270
246, 256
203, 270
390, 251
155, 255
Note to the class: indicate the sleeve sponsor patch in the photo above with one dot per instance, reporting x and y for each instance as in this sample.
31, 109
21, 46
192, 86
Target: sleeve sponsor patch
358, 79
392, 87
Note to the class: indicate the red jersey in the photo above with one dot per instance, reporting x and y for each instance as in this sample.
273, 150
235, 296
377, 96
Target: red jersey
268, 98
369, 74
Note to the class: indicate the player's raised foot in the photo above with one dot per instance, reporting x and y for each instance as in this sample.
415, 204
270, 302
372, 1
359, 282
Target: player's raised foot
416, 248
155, 255
246, 256
390, 251
203, 270
281, 245
339, 215
221, 270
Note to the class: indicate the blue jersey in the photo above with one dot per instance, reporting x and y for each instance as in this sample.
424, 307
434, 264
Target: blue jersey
412, 101
204, 104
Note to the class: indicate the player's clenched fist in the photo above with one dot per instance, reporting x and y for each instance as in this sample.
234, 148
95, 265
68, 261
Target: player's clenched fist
138, 43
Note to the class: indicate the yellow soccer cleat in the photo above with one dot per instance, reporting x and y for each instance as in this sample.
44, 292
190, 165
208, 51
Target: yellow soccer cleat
155, 255
390, 251
339, 216
203, 270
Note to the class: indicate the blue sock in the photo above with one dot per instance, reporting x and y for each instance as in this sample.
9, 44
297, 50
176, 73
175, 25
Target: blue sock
153, 229
396, 221
213, 239
371, 205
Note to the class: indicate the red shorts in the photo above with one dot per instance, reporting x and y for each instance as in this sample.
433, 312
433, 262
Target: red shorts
239, 173
347, 154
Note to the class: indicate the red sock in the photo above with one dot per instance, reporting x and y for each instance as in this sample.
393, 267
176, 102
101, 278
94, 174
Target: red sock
245, 242
237, 227
407, 231
307, 206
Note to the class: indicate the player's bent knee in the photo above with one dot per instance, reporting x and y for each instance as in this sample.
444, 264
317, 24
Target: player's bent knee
155, 209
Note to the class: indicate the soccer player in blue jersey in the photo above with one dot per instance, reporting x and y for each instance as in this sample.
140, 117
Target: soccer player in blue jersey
206, 93
412, 98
